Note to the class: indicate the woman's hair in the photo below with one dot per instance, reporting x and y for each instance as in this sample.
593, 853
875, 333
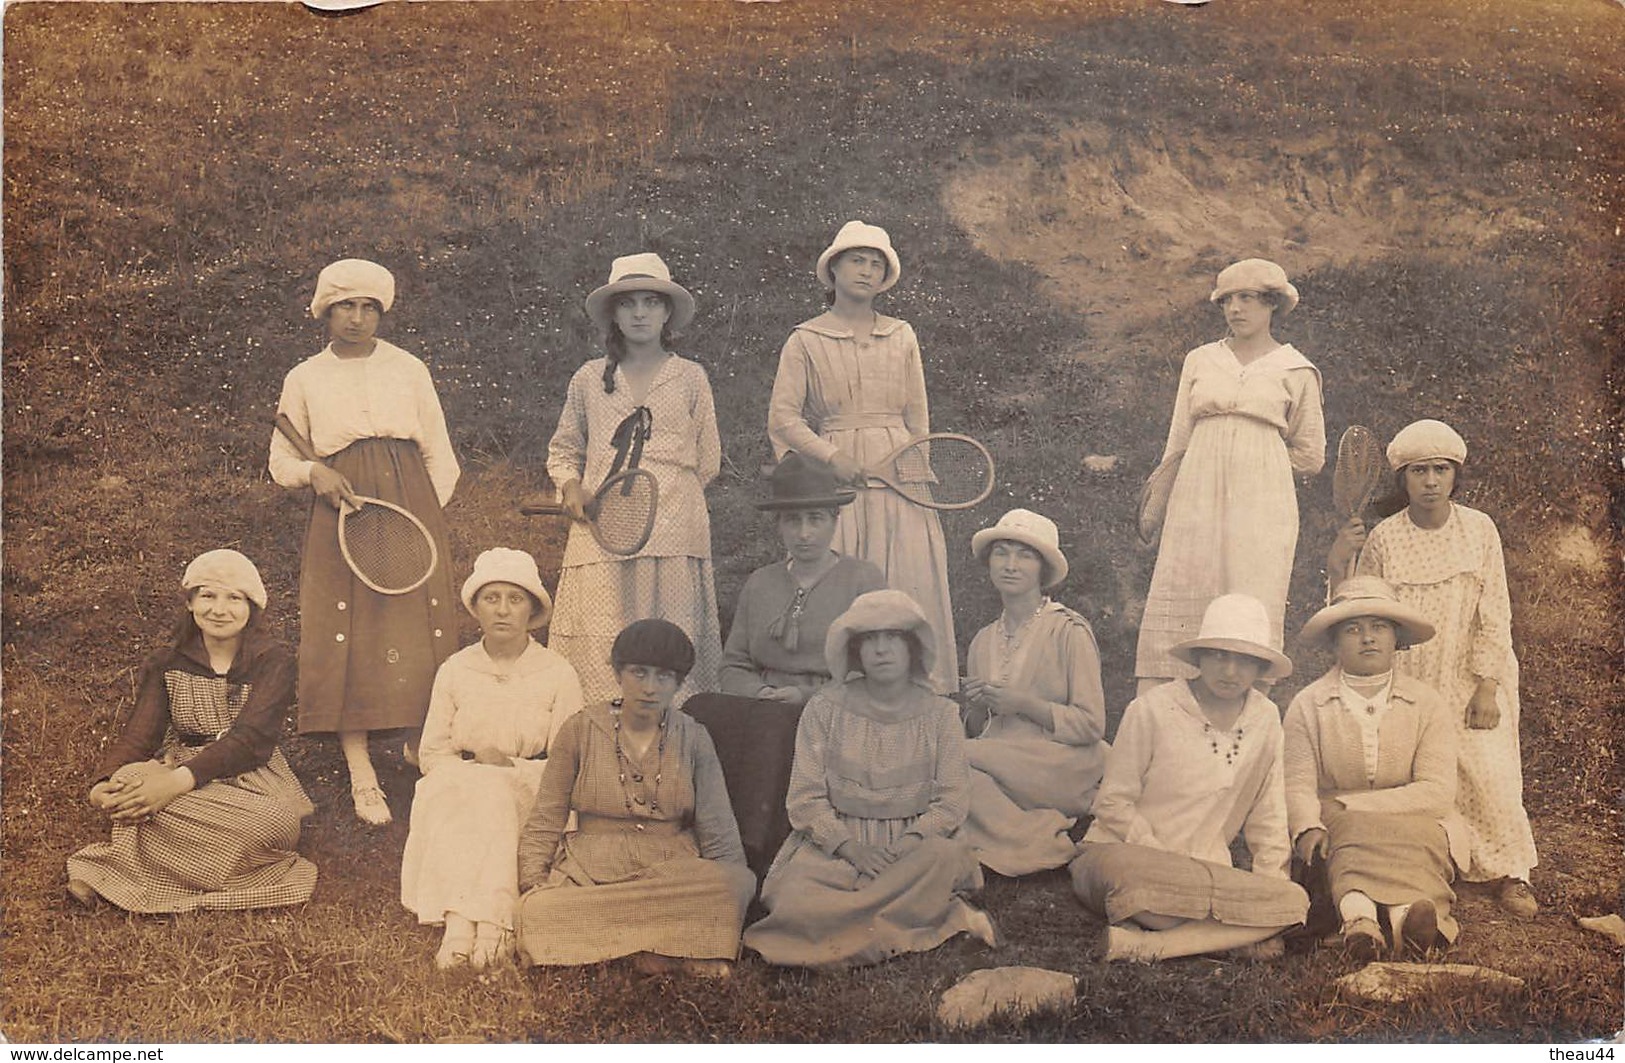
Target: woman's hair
916, 652
1397, 498
833, 511
656, 643
1201, 651
615, 341
829, 293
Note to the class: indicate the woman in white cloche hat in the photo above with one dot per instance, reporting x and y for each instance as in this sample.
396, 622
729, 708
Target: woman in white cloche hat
850, 389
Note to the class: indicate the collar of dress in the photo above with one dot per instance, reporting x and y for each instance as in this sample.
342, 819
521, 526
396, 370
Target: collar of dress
1329, 688
884, 326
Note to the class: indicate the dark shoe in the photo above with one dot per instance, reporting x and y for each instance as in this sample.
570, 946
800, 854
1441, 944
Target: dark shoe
653, 964
1362, 940
1270, 950
81, 892
1515, 896
1419, 931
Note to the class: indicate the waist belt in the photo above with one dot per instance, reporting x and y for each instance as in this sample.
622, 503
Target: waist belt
587, 823
836, 422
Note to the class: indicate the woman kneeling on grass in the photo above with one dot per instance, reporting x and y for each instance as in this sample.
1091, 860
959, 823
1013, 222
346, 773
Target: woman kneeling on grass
655, 870
877, 792
1371, 776
494, 715
204, 807
1195, 763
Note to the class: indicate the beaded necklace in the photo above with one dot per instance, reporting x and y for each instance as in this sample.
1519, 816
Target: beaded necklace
1212, 734
1010, 641
623, 765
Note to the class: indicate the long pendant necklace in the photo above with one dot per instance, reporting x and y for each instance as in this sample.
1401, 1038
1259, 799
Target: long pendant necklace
625, 767
1010, 641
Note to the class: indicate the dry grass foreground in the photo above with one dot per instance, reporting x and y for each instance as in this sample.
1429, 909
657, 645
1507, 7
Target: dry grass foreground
1442, 179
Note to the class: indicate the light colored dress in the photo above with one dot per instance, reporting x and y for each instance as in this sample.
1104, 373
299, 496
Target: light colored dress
1379, 776
872, 774
367, 661
656, 864
1030, 784
1176, 792
865, 395
1456, 577
230, 842
599, 594
460, 854
1232, 519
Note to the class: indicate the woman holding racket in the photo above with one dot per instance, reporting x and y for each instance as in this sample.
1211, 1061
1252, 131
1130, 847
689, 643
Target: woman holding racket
369, 410
1247, 418
850, 389
1445, 561
639, 406
1037, 709
204, 808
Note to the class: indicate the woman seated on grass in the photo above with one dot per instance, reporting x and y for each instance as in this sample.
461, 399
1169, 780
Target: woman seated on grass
1035, 705
1371, 777
204, 808
655, 870
877, 793
494, 715
1195, 763
774, 657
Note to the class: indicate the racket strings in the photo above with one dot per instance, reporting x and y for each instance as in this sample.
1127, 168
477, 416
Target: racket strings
944, 471
1358, 472
625, 513
387, 548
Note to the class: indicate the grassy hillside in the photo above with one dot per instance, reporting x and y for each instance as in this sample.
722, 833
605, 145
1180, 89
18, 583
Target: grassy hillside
1443, 181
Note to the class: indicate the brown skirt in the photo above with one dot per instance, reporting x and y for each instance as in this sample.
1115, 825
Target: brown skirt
367, 660
1391, 857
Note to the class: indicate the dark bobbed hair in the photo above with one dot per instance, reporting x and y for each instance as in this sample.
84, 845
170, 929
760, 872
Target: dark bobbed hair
655, 643
615, 340
916, 653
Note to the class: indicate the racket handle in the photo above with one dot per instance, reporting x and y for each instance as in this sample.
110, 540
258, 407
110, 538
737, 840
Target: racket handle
542, 509
295, 437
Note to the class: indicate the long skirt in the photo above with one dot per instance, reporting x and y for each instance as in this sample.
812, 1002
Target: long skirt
1393, 858
462, 853
823, 913
595, 601
1117, 881
367, 660
227, 845
1232, 527
688, 907
755, 741
1025, 797
906, 543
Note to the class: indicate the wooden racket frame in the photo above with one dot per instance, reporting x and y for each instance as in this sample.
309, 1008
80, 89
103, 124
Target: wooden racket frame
876, 474
555, 509
346, 507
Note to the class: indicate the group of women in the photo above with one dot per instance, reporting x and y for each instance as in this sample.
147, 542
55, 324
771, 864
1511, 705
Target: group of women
574, 807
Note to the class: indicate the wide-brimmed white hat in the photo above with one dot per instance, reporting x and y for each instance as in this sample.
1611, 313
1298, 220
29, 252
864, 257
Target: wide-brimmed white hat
228, 569
352, 278
1426, 440
1030, 529
644, 272
1238, 623
1256, 275
502, 564
886, 610
860, 234
1368, 596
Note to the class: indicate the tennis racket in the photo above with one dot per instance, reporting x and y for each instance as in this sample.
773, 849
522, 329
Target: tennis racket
943, 470
1357, 476
621, 514
387, 547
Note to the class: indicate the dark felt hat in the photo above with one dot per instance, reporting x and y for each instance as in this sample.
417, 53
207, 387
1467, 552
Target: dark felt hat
799, 483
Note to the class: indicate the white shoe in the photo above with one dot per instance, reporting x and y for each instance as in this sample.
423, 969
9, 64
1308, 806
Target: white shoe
370, 806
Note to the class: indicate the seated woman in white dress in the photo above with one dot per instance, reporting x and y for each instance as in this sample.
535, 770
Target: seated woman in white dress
1035, 707
204, 808
877, 793
494, 714
1195, 763
1371, 777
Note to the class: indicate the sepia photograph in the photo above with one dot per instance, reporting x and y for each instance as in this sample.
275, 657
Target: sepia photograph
812, 521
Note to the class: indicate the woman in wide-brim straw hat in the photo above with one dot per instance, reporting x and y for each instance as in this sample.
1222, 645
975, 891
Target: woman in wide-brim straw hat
494, 716
850, 389
203, 806
877, 795
1444, 560
1371, 778
1247, 420
773, 660
1195, 763
366, 660
639, 404
1036, 710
